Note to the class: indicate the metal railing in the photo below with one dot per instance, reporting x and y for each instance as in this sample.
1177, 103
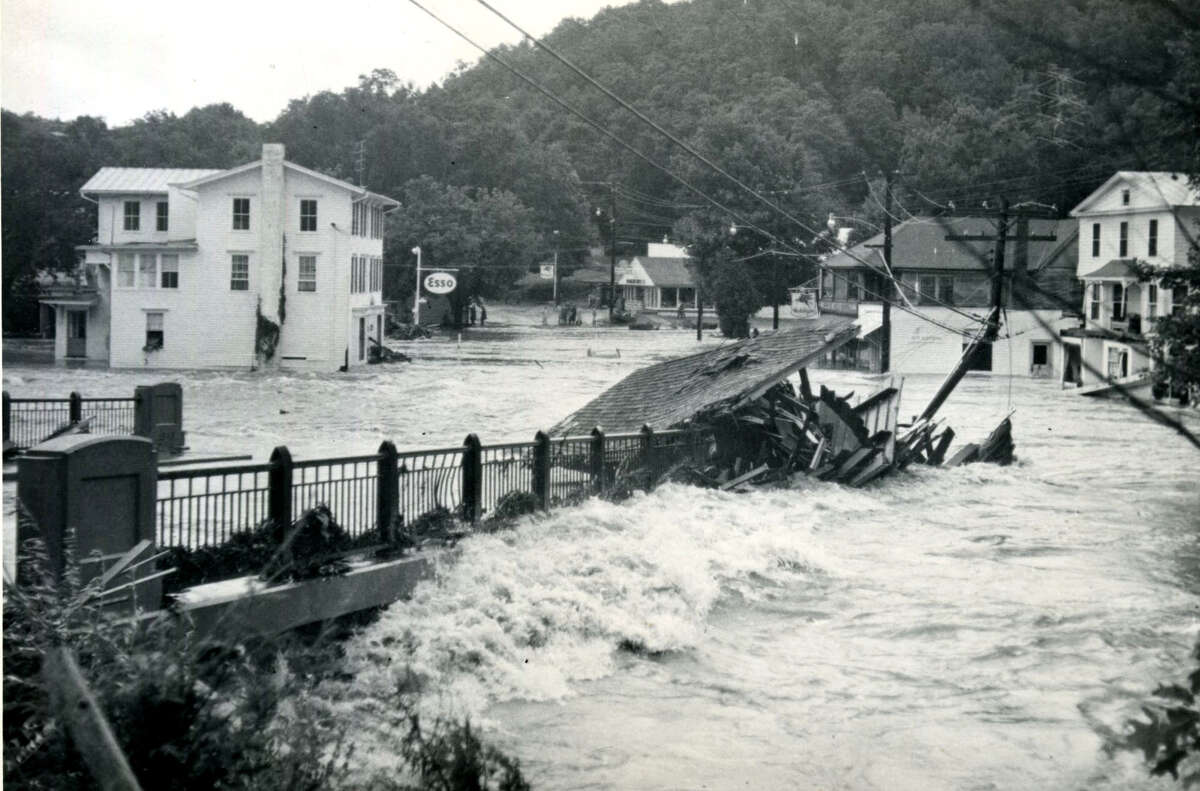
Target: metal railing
372, 493
29, 421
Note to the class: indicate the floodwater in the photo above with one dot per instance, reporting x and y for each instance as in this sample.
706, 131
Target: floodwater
975, 628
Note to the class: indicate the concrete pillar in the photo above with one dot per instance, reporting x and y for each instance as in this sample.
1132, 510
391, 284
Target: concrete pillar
103, 488
158, 415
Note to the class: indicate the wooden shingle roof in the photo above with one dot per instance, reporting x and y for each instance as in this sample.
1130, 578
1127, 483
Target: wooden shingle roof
671, 393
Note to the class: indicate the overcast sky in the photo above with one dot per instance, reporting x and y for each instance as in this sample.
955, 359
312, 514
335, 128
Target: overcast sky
119, 60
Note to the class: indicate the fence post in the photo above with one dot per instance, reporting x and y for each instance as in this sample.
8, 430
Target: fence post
541, 469
472, 478
387, 495
7, 417
598, 482
76, 408
279, 491
648, 460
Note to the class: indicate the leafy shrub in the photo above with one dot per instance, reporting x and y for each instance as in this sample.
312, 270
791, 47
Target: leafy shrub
1169, 738
515, 504
188, 715
309, 548
449, 756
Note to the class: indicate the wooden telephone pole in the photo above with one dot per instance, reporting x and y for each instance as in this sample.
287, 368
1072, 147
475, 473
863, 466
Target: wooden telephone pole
998, 301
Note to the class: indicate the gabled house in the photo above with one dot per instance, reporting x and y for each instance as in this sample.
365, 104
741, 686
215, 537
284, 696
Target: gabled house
1134, 218
663, 279
265, 262
945, 293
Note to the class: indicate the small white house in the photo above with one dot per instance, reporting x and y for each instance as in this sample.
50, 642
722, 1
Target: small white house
1133, 218
663, 279
266, 263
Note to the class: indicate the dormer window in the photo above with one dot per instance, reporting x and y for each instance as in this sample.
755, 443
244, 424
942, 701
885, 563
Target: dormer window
1124, 197
133, 215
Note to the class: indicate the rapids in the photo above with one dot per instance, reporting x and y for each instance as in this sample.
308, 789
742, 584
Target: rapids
976, 628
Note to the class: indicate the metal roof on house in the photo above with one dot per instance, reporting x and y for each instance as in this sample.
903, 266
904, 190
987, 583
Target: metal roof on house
668, 272
921, 244
110, 180
672, 393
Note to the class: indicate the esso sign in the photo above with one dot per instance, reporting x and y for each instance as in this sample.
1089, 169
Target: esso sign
440, 282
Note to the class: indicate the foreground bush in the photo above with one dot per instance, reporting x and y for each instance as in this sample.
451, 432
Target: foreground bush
1169, 737
191, 714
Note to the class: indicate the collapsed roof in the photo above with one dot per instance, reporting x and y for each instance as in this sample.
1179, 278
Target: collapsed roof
672, 393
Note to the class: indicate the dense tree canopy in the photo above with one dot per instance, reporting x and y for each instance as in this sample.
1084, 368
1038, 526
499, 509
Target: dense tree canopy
804, 100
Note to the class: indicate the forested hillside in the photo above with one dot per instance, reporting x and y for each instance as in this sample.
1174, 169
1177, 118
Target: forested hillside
807, 101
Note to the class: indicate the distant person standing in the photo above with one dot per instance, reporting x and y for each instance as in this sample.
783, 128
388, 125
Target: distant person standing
482, 312
471, 313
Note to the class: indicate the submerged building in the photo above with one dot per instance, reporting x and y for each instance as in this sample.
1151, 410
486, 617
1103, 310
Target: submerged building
944, 268
268, 262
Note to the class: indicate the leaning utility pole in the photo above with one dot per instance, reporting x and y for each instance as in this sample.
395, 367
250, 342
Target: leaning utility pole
998, 300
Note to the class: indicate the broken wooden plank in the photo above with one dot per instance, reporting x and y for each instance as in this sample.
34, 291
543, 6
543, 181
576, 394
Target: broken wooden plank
875, 468
966, 454
76, 706
757, 471
938, 452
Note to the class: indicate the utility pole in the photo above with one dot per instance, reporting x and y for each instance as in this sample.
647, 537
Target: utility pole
612, 265
556, 268
885, 330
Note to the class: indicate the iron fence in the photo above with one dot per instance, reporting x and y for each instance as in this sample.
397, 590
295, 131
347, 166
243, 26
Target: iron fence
205, 506
29, 421
110, 415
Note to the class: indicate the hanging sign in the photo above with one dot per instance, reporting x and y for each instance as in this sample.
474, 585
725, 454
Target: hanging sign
440, 282
547, 271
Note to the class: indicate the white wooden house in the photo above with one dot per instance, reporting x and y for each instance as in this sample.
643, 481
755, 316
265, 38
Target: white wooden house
1135, 217
663, 279
266, 263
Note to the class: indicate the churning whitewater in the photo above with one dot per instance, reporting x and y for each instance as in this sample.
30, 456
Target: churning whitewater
971, 628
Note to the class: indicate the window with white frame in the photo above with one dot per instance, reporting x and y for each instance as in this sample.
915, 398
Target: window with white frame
169, 271
239, 272
1095, 240
241, 214
125, 270
1179, 296
1152, 238
161, 215
147, 270
353, 274
1123, 241
133, 215
306, 280
377, 275
308, 215
1151, 301
1125, 197
1095, 289
154, 331
1040, 353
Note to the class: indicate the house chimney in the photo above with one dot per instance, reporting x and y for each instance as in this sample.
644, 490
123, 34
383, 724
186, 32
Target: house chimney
272, 213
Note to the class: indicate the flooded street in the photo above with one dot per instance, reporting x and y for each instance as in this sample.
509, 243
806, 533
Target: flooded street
974, 628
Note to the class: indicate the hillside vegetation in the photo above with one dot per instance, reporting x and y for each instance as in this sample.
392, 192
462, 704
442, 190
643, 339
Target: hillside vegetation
807, 101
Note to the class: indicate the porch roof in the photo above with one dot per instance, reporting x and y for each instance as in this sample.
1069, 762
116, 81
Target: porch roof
181, 245
80, 301
1116, 269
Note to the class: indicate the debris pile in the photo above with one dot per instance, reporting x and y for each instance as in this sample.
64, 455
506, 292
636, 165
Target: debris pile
763, 428
407, 332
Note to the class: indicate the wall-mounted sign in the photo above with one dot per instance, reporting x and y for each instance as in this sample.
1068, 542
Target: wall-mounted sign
440, 282
547, 271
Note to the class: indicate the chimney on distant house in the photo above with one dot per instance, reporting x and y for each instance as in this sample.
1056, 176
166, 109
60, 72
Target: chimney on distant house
272, 213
